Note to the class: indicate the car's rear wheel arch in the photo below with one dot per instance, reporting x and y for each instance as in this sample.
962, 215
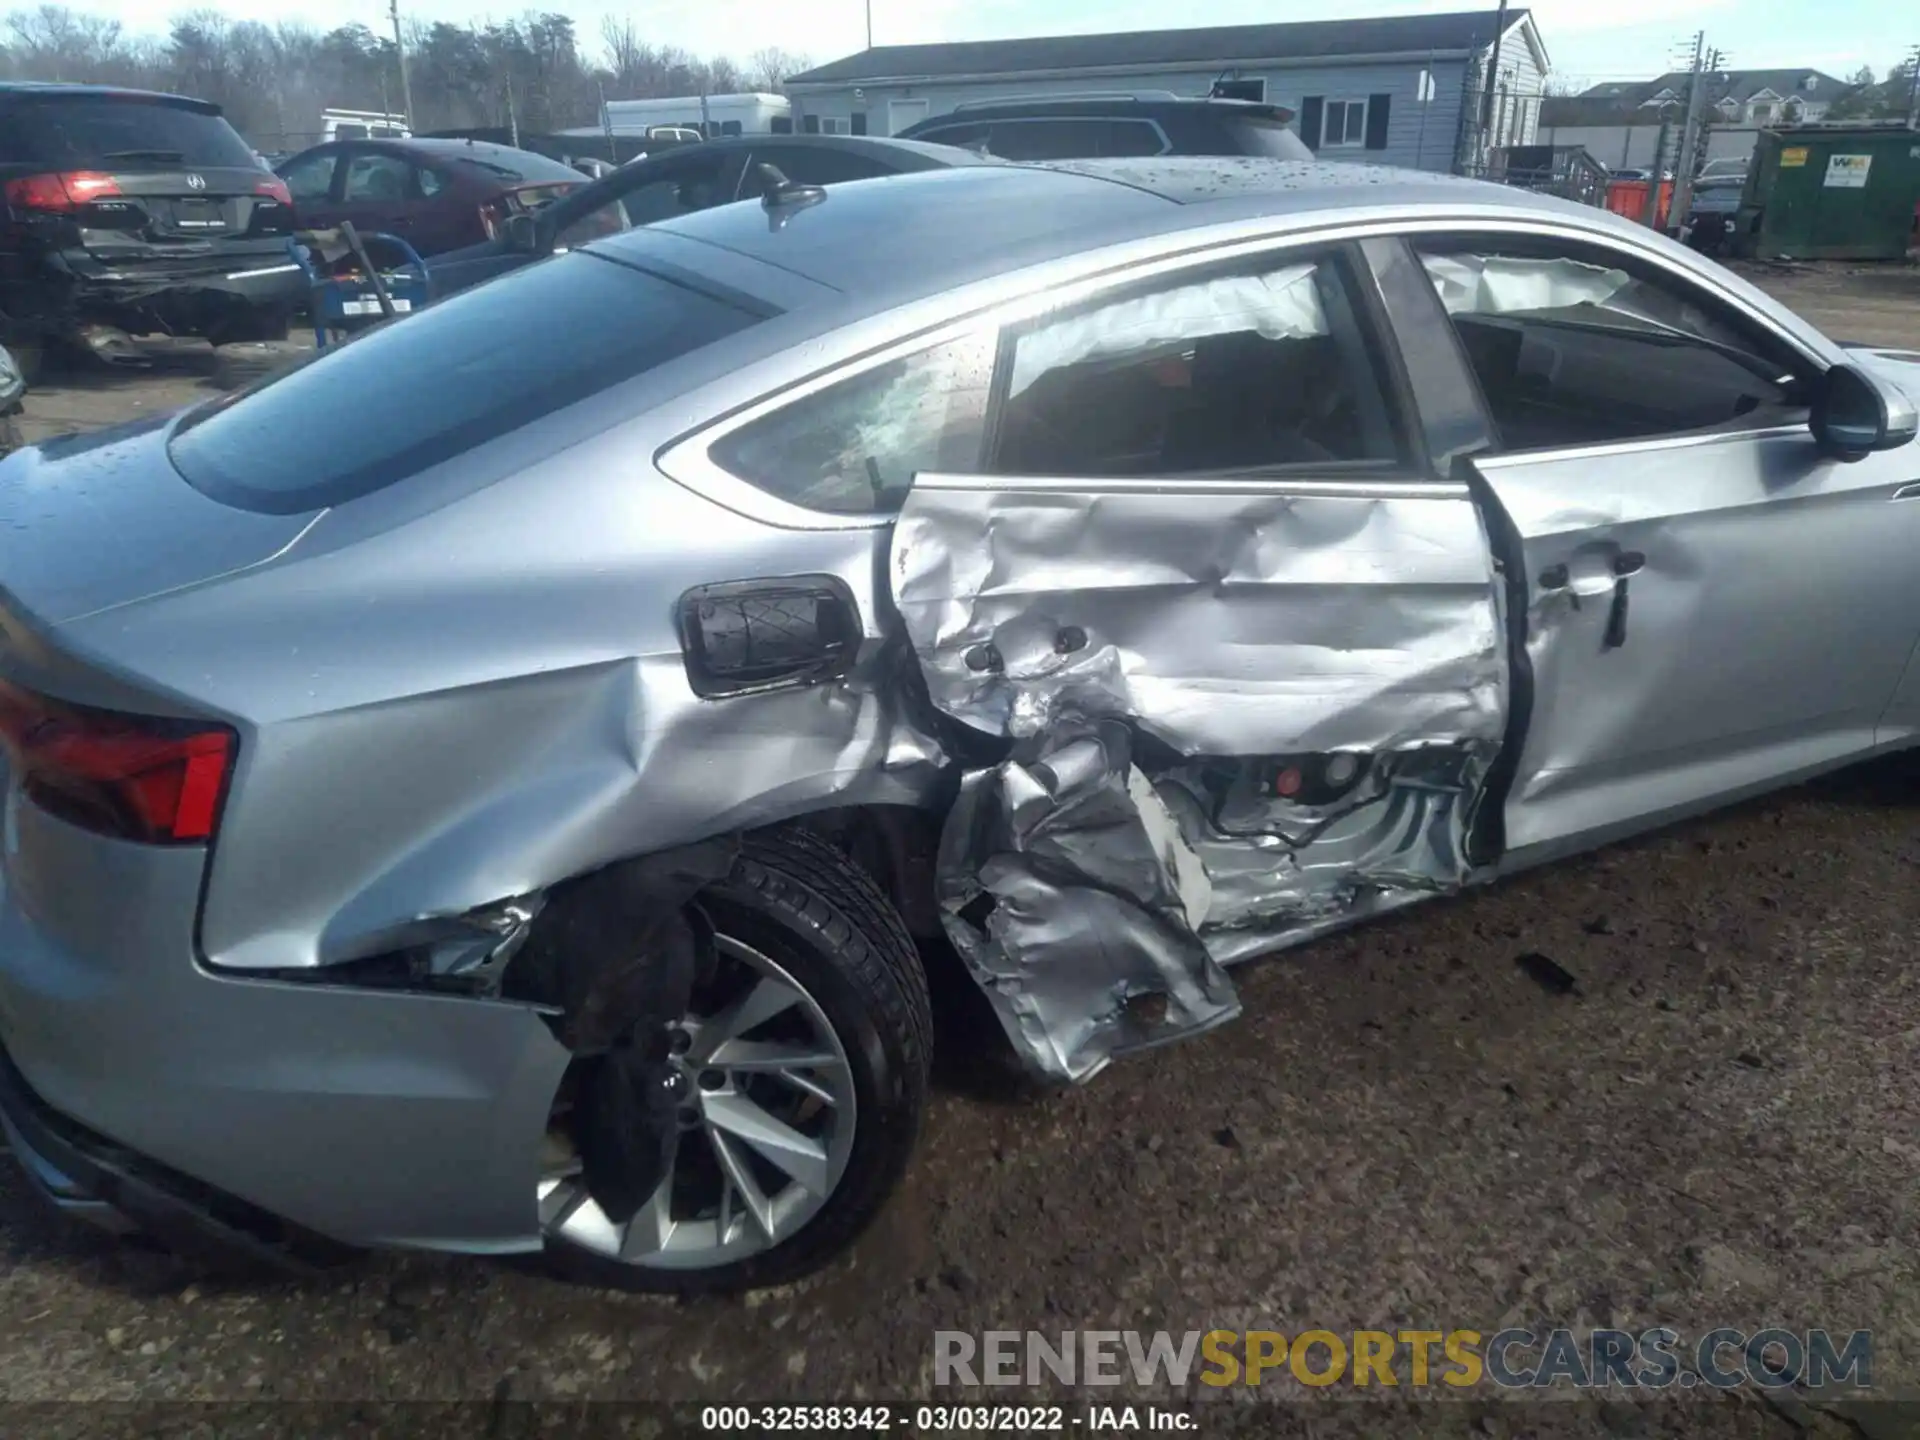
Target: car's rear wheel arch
793, 901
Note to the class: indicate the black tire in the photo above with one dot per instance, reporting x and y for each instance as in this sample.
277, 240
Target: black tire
798, 899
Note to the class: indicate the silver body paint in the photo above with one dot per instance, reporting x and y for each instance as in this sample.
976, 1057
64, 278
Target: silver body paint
463, 689
1225, 619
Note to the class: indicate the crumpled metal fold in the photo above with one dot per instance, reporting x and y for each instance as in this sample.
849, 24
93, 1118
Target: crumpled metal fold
1095, 902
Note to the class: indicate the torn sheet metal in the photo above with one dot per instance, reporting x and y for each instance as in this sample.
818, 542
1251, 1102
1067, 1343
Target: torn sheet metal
1242, 715
1223, 619
1072, 896
1280, 869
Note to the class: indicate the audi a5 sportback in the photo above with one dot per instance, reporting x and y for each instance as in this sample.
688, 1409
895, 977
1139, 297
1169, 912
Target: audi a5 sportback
500, 807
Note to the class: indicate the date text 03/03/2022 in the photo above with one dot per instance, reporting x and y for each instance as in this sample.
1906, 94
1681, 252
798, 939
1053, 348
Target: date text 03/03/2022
943, 1419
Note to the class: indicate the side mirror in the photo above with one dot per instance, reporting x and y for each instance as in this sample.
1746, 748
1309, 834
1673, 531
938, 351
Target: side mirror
1855, 414
523, 234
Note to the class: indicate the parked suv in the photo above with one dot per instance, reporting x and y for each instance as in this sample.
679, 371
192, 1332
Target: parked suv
141, 212
1090, 126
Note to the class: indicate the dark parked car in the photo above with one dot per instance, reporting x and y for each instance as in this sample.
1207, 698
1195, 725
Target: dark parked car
436, 195
1092, 126
145, 213
1711, 216
683, 179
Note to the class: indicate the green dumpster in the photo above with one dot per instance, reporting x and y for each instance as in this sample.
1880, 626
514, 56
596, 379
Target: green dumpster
1827, 192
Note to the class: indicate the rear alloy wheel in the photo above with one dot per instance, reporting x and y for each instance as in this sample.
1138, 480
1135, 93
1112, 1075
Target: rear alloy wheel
798, 1074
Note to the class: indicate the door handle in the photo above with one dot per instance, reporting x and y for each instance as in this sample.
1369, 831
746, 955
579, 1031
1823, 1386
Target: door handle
1626, 564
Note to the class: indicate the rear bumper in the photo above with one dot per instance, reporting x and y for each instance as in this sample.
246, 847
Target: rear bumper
189, 296
139, 1085
92, 1179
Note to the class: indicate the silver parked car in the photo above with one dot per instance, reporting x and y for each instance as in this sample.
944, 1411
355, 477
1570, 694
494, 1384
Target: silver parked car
494, 790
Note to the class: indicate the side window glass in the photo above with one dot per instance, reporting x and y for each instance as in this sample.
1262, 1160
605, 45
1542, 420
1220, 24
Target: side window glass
1131, 137
377, 178
854, 447
1237, 371
1570, 349
686, 188
966, 137
1048, 139
310, 179
807, 166
431, 182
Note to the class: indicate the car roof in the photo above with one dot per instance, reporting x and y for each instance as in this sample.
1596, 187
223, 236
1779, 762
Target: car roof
453, 149
53, 89
904, 237
877, 145
1108, 105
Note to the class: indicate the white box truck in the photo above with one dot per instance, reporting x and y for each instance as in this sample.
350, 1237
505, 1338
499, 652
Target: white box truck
708, 115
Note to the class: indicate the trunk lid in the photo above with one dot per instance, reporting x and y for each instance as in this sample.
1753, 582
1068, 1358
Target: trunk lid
136, 173
93, 521
175, 207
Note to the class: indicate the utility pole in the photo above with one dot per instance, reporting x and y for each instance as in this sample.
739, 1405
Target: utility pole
1689, 135
1913, 88
1493, 72
1650, 217
400, 50
869, 24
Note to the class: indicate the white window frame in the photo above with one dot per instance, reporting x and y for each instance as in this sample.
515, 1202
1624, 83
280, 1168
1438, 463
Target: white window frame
1326, 113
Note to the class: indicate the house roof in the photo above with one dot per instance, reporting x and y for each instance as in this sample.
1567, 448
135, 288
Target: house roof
1741, 85
1591, 111
1218, 44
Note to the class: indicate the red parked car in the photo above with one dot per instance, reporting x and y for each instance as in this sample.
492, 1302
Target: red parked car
434, 194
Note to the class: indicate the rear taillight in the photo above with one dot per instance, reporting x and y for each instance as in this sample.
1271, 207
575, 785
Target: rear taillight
273, 188
61, 192
133, 777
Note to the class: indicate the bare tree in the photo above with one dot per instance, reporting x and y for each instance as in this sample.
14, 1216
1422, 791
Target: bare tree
626, 54
768, 68
273, 81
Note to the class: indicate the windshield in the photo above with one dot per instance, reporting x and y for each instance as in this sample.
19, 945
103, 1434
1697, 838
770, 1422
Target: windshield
97, 131
422, 390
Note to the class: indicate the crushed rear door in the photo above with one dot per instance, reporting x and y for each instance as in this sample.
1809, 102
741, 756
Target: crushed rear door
1240, 711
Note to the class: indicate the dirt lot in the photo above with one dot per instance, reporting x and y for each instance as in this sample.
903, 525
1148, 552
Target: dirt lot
1718, 1125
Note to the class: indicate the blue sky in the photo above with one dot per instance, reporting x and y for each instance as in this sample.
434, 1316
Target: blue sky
1588, 39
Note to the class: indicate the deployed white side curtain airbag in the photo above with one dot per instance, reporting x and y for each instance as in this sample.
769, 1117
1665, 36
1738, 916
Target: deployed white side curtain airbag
1501, 285
1283, 305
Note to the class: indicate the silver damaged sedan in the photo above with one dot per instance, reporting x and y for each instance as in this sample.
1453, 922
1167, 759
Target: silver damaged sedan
498, 786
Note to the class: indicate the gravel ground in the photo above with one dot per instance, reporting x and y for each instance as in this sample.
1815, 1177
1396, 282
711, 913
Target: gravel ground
1409, 1128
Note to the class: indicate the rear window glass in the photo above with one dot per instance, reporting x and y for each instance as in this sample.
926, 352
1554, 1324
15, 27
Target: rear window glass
421, 390
108, 132
1275, 139
514, 167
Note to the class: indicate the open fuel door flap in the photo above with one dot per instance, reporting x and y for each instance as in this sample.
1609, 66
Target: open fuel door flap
1243, 711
